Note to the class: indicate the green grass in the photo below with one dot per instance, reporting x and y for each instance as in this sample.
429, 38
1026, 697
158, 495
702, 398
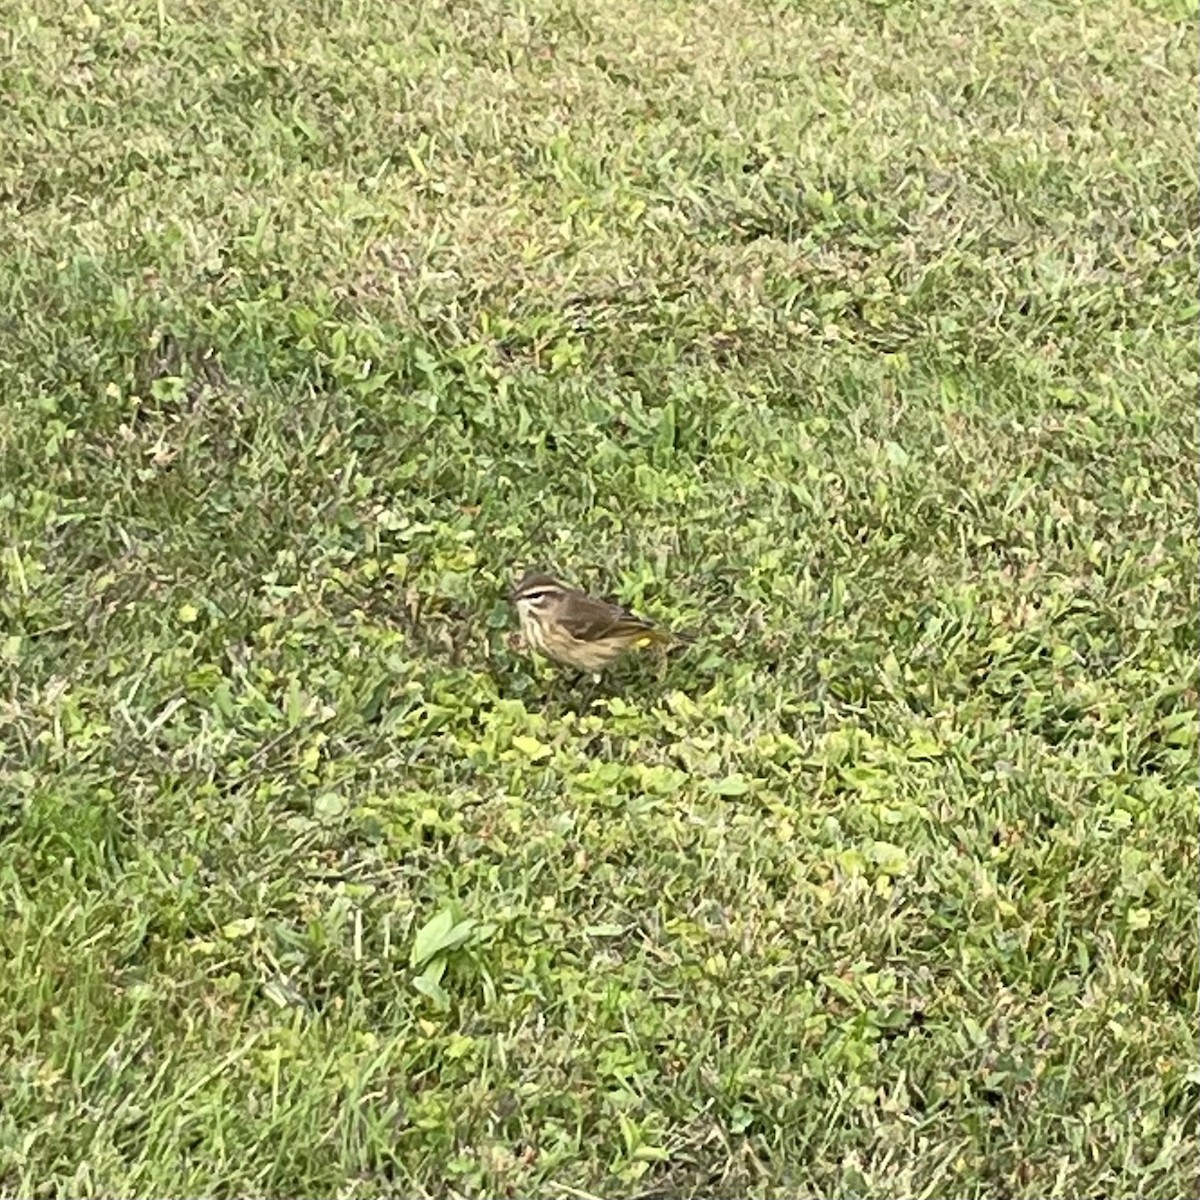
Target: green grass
861, 336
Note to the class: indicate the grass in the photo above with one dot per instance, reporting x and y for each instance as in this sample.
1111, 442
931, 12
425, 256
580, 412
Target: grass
861, 335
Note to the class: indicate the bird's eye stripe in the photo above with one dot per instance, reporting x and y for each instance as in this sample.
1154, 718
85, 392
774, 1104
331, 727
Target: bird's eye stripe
538, 594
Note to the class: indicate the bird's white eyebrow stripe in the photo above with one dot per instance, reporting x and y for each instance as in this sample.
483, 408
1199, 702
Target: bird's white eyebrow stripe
538, 593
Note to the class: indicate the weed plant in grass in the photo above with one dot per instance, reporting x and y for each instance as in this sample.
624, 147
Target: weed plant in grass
858, 337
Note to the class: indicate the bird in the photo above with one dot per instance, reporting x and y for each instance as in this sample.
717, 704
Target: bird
576, 630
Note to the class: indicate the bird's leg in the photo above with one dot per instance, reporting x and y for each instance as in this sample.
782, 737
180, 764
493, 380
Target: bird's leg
660, 661
589, 695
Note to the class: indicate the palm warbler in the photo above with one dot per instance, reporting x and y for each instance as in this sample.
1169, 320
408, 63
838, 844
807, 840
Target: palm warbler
577, 630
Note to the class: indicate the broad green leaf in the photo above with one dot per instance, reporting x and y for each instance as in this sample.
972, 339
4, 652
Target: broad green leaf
731, 785
242, 927
438, 935
530, 746
329, 806
429, 984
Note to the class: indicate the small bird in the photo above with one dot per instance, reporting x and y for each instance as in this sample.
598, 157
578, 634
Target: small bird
577, 630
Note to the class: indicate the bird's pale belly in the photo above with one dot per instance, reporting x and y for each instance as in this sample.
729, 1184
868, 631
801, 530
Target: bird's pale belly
572, 652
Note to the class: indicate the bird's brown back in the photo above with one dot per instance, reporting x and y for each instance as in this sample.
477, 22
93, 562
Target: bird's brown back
590, 619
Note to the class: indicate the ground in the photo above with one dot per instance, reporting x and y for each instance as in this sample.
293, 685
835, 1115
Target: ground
858, 338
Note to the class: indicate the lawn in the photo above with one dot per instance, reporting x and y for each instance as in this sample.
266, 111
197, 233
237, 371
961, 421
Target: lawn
858, 337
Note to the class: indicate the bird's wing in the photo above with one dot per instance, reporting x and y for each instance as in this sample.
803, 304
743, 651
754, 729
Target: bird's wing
592, 619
